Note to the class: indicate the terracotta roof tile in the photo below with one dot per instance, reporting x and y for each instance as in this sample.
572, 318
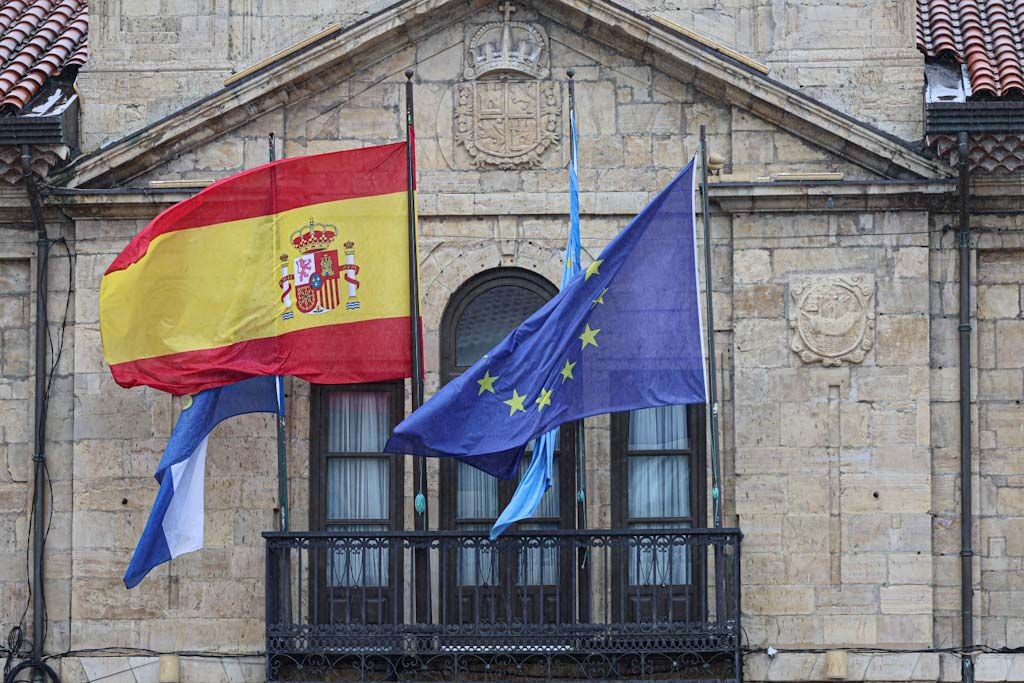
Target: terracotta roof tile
986, 35
38, 40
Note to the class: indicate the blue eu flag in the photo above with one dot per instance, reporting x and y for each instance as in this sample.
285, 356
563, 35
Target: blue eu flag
624, 333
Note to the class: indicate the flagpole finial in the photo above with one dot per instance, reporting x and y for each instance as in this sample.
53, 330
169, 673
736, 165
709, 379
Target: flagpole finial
409, 74
570, 72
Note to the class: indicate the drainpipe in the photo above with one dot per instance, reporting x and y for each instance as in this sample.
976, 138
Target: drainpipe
966, 517
39, 449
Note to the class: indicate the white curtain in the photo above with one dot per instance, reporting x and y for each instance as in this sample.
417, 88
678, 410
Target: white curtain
539, 566
477, 498
357, 422
659, 486
658, 429
357, 487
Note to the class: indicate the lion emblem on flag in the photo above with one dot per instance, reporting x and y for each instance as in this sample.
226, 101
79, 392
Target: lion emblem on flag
318, 279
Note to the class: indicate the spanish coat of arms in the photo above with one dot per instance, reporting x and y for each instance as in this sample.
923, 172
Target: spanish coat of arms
315, 283
501, 118
833, 319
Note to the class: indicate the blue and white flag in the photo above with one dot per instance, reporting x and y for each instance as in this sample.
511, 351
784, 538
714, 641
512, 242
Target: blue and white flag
175, 525
625, 333
537, 478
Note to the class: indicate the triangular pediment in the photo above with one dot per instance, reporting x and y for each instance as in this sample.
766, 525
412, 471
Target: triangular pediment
643, 88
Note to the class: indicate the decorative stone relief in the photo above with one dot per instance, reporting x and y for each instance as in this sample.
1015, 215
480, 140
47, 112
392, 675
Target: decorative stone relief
502, 119
833, 318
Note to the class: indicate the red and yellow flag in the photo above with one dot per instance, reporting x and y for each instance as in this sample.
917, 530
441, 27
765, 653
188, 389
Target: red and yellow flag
297, 267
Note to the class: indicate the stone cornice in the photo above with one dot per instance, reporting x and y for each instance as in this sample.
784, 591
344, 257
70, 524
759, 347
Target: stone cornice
336, 55
820, 197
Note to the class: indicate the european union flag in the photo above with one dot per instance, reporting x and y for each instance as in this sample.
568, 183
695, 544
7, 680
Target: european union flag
625, 333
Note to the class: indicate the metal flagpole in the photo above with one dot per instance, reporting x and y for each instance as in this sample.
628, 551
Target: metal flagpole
716, 492
282, 453
581, 444
422, 521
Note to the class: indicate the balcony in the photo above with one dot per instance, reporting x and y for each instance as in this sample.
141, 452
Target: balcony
660, 604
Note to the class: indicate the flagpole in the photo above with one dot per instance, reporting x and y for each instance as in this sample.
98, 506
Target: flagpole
421, 519
716, 493
282, 453
581, 444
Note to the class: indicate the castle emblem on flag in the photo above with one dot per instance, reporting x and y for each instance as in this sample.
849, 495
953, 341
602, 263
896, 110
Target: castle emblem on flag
315, 282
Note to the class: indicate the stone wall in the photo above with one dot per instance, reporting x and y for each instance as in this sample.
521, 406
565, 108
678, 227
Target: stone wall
149, 58
833, 486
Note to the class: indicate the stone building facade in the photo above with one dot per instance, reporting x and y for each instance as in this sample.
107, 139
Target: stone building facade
834, 279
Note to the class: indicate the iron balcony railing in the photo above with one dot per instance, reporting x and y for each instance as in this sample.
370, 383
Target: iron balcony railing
635, 603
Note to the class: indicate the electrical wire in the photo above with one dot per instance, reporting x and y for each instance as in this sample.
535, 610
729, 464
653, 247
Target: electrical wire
17, 647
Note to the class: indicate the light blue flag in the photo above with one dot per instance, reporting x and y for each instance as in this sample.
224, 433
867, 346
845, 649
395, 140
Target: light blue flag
536, 479
175, 525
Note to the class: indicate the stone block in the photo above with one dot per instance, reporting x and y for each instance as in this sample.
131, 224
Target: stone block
846, 630
998, 301
762, 342
902, 340
659, 118
911, 262
759, 301
751, 265
778, 600
906, 599
863, 568
1009, 340
762, 494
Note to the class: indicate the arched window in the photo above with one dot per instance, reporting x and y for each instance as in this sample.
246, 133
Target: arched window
482, 312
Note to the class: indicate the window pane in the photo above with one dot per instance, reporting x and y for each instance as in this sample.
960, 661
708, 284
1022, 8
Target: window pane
357, 488
658, 429
357, 421
489, 318
659, 560
477, 493
477, 564
659, 486
539, 565
366, 567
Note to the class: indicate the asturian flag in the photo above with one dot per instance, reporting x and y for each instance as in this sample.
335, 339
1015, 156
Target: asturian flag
625, 333
296, 267
175, 525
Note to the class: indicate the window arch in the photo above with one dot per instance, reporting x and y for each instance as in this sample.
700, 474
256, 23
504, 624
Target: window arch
483, 310
480, 313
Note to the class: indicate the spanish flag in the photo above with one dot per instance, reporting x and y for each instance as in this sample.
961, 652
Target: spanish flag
297, 267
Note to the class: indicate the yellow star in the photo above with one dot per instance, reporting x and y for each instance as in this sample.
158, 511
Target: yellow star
567, 371
600, 297
515, 403
592, 269
544, 400
487, 382
589, 337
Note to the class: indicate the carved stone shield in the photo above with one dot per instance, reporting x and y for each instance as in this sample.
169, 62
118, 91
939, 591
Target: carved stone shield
833, 319
507, 123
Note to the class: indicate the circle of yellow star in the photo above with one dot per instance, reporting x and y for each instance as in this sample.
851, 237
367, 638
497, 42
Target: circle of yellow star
593, 269
567, 371
486, 382
600, 297
515, 404
544, 400
589, 337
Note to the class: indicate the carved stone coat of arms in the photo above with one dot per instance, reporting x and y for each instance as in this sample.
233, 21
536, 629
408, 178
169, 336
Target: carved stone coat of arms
833, 319
506, 114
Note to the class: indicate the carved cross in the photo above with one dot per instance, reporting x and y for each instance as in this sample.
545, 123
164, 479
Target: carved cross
507, 8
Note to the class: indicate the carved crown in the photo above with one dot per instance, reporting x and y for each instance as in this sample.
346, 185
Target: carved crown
508, 46
313, 237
